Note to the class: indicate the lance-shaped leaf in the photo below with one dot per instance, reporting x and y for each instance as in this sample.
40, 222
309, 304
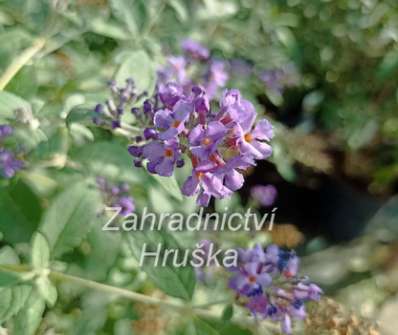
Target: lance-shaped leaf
70, 217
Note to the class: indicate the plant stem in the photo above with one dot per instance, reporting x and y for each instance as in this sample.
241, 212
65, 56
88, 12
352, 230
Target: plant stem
116, 291
185, 308
21, 61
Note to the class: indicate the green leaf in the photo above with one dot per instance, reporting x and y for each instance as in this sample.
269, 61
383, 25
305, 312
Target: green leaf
175, 281
40, 252
232, 329
107, 28
228, 312
283, 162
29, 317
109, 159
215, 327
56, 146
6, 301
8, 256
170, 185
9, 103
81, 134
47, 290
20, 212
203, 328
388, 66
180, 10
12, 300
24, 83
104, 249
70, 217
159, 201
93, 314
138, 66
124, 10
8, 278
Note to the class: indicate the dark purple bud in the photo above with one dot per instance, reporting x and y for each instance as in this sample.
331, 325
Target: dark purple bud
99, 108
147, 107
180, 163
115, 124
151, 167
135, 151
150, 133
138, 139
135, 110
138, 163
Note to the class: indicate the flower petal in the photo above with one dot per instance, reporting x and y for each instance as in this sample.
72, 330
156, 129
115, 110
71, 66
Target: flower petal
153, 150
263, 130
163, 119
190, 186
165, 168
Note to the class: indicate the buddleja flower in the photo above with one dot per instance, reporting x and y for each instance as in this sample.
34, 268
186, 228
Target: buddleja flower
116, 196
9, 164
220, 143
183, 121
268, 285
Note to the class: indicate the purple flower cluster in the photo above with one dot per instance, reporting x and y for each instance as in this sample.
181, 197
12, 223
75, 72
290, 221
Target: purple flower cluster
220, 142
9, 164
220, 137
116, 196
267, 283
195, 66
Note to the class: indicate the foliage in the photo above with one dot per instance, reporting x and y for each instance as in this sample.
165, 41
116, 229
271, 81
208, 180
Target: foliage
322, 71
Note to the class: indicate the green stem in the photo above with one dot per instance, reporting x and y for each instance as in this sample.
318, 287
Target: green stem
59, 276
21, 61
184, 308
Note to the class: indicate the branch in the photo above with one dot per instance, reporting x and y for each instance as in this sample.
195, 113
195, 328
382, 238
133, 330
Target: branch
21, 61
184, 308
